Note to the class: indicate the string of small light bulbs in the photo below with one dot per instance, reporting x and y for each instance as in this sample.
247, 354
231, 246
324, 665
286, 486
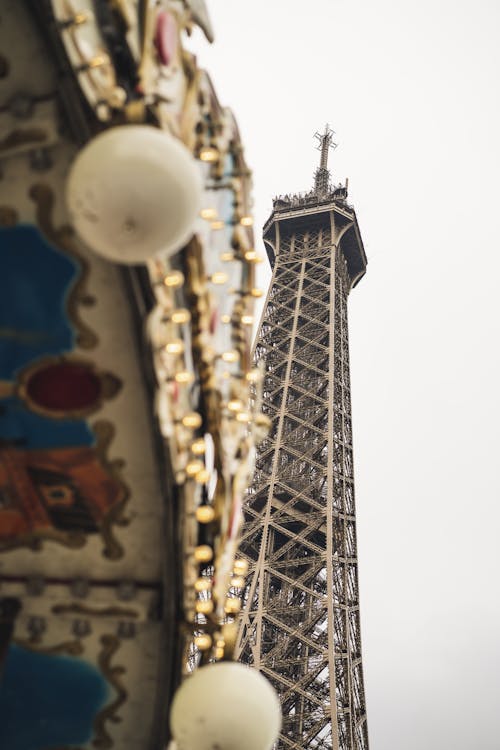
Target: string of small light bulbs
137, 195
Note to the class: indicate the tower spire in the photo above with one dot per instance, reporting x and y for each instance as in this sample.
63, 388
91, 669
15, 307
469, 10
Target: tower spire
322, 174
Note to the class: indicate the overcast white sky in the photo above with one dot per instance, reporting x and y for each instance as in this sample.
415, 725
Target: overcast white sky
412, 91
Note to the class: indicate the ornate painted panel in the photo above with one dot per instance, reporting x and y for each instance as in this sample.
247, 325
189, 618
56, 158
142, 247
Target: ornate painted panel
111, 378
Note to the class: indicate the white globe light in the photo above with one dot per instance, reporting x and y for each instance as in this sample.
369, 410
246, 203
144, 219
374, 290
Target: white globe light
134, 191
225, 706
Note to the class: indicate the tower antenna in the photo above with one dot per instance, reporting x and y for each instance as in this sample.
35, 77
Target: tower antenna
322, 174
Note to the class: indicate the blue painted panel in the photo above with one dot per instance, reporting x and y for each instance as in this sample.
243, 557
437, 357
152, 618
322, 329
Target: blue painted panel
48, 701
25, 429
35, 282
34, 285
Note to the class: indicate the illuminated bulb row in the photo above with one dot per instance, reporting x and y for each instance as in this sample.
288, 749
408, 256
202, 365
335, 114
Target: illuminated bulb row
204, 554
247, 320
195, 468
205, 642
236, 409
175, 347
219, 648
211, 215
232, 604
174, 280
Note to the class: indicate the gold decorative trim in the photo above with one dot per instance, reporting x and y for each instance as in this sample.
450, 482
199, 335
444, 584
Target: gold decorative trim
82, 609
16, 138
110, 644
104, 432
72, 648
110, 386
34, 540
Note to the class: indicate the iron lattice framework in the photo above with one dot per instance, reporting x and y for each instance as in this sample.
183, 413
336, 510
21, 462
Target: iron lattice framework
300, 625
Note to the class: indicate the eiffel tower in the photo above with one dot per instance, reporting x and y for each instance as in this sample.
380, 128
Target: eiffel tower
300, 625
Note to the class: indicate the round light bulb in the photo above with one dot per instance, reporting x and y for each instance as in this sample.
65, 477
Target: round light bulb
209, 154
204, 607
192, 420
203, 584
232, 606
225, 705
193, 467
219, 277
181, 316
174, 279
198, 447
175, 347
134, 191
235, 404
208, 213
231, 356
238, 582
203, 553
203, 642
202, 476
243, 417
253, 376
184, 377
240, 567
253, 257
205, 514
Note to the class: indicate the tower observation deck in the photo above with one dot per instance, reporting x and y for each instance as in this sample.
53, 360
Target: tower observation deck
300, 625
